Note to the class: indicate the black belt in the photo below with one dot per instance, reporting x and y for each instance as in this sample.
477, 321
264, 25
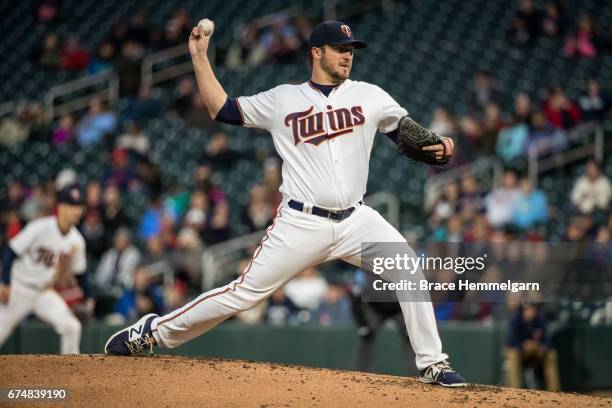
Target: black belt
338, 215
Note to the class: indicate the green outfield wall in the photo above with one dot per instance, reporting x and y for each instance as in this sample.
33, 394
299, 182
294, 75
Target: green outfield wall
476, 350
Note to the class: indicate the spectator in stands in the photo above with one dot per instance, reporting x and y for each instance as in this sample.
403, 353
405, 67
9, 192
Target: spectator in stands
307, 290
149, 176
93, 196
134, 141
522, 109
99, 122
142, 107
527, 23
512, 142
245, 51
157, 260
575, 231
471, 201
303, 27
182, 97
491, 125
544, 138
592, 191
93, 231
117, 35
446, 205
15, 195
258, 213
281, 310
280, 41
442, 122
141, 298
116, 268
48, 12
560, 111
218, 229
272, 180
39, 127
197, 214
196, 115
531, 208
48, 56
187, 257
151, 219
15, 129
529, 344
129, 67
553, 22
501, 201
74, 56
594, 104
203, 181
177, 29
478, 231
483, 91
113, 216
335, 308
120, 171
104, 58
218, 153
583, 43
138, 30
64, 132
33, 205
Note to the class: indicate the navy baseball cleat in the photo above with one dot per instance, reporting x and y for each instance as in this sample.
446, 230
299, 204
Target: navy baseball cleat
133, 339
442, 373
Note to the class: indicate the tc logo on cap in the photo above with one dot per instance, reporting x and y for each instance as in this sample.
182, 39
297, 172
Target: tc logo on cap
75, 194
346, 30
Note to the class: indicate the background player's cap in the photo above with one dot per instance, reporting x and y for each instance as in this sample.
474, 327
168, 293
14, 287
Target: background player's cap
333, 33
71, 194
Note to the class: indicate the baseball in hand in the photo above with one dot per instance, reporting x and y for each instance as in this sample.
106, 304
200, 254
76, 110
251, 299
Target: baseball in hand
206, 27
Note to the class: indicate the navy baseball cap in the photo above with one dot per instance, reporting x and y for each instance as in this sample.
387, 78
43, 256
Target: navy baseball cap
333, 33
71, 194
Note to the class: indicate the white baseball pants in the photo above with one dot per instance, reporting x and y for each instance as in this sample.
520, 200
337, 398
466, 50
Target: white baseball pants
49, 307
294, 242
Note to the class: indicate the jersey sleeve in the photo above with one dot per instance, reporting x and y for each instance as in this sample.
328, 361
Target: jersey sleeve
389, 113
79, 263
258, 111
26, 237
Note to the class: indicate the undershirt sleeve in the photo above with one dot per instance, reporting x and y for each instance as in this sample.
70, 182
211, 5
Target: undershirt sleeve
230, 113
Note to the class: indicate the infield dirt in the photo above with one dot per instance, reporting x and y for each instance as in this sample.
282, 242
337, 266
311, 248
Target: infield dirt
165, 381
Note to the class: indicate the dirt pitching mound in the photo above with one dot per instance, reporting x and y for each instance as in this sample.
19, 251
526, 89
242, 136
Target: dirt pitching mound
160, 381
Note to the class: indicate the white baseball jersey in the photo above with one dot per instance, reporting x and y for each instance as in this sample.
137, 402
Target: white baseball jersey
39, 247
325, 142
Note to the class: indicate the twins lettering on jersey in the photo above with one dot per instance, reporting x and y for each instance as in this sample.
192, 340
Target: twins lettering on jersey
307, 126
47, 256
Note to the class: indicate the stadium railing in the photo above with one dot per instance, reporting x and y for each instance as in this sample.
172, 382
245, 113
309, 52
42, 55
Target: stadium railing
76, 95
584, 148
486, 169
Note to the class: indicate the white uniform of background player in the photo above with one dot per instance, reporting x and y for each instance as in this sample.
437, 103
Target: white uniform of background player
39, 247
325, 143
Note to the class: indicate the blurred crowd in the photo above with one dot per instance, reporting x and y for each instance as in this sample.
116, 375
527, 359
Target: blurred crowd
152, 261
581, 36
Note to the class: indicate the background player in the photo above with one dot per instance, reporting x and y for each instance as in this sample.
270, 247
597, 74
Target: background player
46, 252
324, 131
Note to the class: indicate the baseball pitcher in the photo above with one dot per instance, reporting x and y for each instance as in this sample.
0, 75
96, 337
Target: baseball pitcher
323, 129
